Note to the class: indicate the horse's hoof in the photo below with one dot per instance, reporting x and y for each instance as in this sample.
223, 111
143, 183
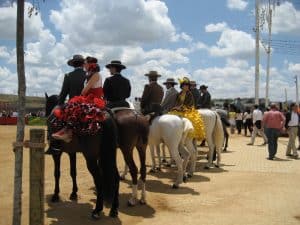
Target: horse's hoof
131, 202
55, 198
73, 197
189, 175
142, 202
152, 171
95, 215
113, 213
184, 179
175, 186
206, 167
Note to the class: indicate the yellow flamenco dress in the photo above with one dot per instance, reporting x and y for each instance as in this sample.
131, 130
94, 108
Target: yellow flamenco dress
184, 107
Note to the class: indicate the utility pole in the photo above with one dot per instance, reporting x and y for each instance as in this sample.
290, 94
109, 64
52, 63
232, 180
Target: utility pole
297, 91
269, 21
257, 51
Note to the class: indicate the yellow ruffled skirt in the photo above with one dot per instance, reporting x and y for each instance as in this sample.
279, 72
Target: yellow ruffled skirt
196, 119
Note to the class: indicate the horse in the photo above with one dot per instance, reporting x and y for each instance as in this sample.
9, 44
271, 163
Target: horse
99, 152
214, 136
174, 132
133, 129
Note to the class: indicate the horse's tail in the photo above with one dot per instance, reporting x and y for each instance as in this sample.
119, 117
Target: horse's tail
218, 133
143, 128
187, 126
108, 160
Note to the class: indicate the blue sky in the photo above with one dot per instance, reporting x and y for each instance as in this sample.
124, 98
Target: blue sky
211, 42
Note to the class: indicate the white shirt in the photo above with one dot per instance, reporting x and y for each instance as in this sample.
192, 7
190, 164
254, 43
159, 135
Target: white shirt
294, 120
257, 115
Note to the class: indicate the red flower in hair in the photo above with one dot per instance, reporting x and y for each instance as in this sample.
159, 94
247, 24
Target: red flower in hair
92, 66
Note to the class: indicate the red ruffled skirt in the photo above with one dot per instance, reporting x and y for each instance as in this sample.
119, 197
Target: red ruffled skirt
82, 114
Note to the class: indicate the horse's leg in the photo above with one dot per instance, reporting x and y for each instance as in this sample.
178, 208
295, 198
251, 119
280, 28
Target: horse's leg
56, 159
123, 175
115, 204
72, 157
185, 154
151, 146
94, 170
178, 160
164, 160
128, 155
211, 148
142, 155
191, 148
158, 156
218, 157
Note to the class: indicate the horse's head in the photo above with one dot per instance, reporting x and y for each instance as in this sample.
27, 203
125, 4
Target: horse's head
51, 102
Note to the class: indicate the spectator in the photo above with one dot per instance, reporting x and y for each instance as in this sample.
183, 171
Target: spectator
239, 120
292, 123
247, 119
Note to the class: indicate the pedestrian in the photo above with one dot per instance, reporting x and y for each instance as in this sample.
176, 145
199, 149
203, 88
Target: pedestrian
247, 119
257, 117
239, 120
292, 123
152, 95
274, 122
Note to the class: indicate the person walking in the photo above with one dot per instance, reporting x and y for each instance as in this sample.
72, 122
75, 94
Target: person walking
170, 95
274, 122
239, 120
292, 124
247, 119
257, 117
152, 95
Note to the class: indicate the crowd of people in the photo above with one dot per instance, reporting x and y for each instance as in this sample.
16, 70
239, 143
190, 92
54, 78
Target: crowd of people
269, 124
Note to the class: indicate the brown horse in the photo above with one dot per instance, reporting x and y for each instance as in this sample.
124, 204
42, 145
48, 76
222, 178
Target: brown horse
133, 130
99, 152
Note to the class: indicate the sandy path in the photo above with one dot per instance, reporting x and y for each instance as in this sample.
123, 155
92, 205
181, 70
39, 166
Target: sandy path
247, 189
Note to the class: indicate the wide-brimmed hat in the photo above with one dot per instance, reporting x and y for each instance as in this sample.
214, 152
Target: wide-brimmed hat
115, 63
170, 81
76, 58
184, 80
152, 74
192, 82
90, 59
203, 87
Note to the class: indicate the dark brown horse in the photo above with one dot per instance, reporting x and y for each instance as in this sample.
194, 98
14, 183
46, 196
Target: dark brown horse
100, 154
133, 130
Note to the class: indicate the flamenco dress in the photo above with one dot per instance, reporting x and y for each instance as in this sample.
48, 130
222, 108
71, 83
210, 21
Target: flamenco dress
82, 114
193, 115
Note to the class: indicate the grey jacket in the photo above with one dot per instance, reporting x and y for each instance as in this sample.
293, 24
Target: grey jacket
169, 99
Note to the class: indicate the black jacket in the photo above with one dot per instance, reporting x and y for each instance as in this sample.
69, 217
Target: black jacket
288, 117
116, 89
205, 101
196, 95
72, 85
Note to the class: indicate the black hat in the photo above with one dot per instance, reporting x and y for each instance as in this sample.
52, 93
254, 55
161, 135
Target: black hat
152, 74
91, 59
203, 87
170, 81
115, 63
192, 82
76, 58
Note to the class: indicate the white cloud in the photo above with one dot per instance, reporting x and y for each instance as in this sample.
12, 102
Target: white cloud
286, 19
4, 54
101, 22
218, 27
294, 68
33, 25
233, 43
237, 4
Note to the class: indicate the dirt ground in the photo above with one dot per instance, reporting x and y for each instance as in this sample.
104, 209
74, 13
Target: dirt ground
247, 189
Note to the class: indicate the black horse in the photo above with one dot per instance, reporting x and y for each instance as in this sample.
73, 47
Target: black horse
99, 152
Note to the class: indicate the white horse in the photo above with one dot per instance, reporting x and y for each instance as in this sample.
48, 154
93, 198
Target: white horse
173, 131
214, 137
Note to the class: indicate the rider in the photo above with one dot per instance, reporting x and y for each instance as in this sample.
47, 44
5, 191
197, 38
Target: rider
184, 107
170, 95
152, 94
72, 86
82, 114
116, 88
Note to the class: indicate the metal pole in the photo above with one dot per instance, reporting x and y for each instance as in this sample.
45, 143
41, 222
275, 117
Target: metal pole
268, 55
297, 91
257, 51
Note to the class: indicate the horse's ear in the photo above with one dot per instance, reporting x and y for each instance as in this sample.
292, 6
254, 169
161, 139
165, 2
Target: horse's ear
46, 95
